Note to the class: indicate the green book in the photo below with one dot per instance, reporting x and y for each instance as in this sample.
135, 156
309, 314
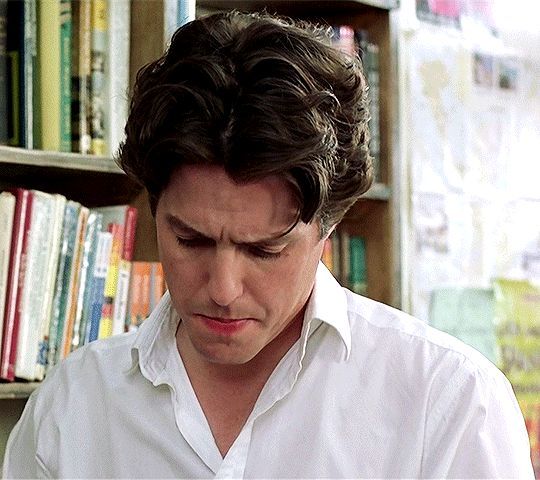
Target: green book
357, 269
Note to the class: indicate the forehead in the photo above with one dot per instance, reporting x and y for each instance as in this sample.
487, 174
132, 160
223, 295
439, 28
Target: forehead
205, 195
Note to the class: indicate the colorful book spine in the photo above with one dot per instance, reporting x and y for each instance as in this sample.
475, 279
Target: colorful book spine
118, 46
357, 271
75, 278
8, 52
157, 284
63, 282
81, 55
17, 267
7, 212
33, 292
30, 99
139, 297
120, 306
87, 264
111, 282
50, 283
55, 73
99, 61
101, 266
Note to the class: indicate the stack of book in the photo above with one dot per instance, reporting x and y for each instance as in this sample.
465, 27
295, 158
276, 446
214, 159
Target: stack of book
65, 276
56, 69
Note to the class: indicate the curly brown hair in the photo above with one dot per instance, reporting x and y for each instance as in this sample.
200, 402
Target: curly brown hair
259, 95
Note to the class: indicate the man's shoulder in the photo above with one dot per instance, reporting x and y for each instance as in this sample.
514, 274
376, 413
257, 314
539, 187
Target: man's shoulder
90, 367
407, 340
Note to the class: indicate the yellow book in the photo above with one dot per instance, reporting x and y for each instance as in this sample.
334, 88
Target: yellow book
54, 56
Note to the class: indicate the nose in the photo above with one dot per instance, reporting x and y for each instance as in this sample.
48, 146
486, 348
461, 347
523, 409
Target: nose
225, 277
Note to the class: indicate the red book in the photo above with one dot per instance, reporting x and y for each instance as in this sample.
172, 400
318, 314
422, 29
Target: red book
17, 267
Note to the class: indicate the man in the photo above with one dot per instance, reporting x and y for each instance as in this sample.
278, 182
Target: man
250, 136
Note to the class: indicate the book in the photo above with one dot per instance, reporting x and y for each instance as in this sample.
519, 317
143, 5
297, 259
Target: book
111, 282
30, 121
50, 283
54, 40
7, 31
34, 293
7, 211
139, 296
157, 284
17, 266
118, 46
87, 265
116, 299
81, 56
63, 282
99, 28
147, 286
97, 286
75, 278
357, 269
369, 53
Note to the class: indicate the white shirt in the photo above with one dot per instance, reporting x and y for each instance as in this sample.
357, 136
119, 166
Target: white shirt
367, 391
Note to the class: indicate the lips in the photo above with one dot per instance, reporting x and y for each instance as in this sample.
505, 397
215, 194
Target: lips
224, 326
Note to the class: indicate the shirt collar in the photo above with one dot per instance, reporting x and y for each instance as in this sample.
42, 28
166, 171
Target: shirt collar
328, 304
156, 336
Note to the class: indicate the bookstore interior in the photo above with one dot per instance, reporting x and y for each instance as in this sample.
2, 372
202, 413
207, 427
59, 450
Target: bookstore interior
449, 231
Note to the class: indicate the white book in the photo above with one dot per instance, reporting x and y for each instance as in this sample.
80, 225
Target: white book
34, 292
7, 210
50, 282
122, 296
118, 72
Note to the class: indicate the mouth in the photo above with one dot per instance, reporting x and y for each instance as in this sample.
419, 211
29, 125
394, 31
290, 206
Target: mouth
224, 326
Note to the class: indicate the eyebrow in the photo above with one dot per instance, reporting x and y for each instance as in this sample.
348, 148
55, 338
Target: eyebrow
176, 223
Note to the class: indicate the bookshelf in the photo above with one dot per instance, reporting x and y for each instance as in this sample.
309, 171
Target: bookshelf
97, 181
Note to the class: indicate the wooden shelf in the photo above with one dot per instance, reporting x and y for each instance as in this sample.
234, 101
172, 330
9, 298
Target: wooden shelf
313, 5
10, 391
69, 161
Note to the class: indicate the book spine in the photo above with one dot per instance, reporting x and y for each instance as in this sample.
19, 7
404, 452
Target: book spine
98, 75
118, 62
139, 298
21, 223
120, 311
50, 282
81, 75
63, 281
358, 275
7, 211
49, 72
28, 74
88, 290
75, 277
103, 255
65, 75
4, 94
345, 254
157, 284
34, 292
372, 60
107, 314
86, 263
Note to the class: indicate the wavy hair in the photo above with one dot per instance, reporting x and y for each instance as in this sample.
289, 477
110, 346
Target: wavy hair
258, 95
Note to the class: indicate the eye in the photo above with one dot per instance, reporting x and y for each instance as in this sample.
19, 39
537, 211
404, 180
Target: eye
263, 254
194, 242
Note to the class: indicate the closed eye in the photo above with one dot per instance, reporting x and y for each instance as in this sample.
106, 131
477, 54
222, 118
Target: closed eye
197, 242
262, 253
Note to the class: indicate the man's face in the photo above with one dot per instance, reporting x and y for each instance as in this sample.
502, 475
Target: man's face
235, 281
